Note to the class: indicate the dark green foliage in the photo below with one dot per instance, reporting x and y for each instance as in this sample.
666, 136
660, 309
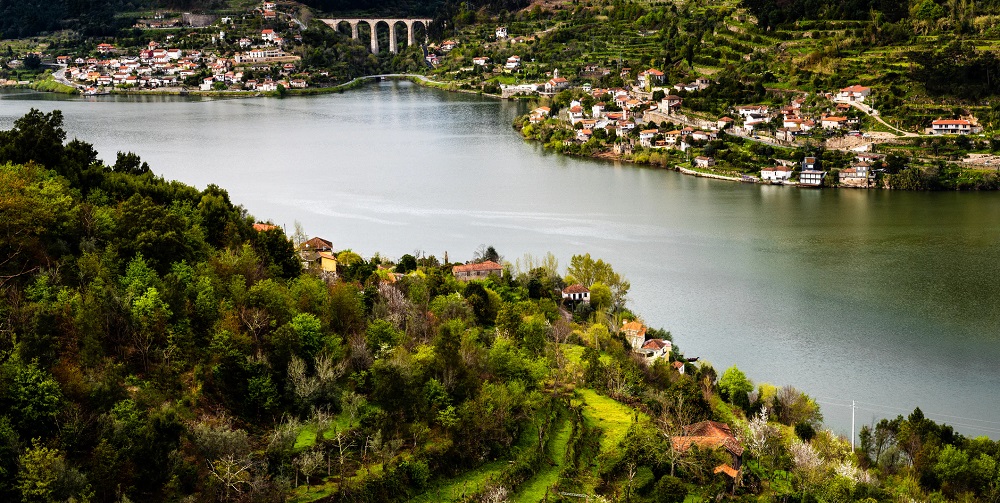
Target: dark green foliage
669, 490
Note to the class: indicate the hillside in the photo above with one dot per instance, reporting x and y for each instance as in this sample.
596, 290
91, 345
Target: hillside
159, 344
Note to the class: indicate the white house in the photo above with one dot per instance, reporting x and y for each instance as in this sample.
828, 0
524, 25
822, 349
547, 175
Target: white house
646, 137
501, 32
776, 173
953, 126
652, 77
833, 122
854, 93
655, 349
267, 34
556, 84
811, 178
576, 292
480, 61
513, 63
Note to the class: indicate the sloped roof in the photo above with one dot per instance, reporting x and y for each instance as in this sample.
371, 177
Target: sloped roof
656, 344
576, 288
728, 470
489, 265
318, 243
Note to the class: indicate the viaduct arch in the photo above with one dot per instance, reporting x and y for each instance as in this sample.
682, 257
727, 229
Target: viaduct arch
372, 23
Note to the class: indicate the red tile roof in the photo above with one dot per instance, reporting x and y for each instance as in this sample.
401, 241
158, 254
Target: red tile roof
728, 470
576, 288
656, 344
264, 227
489, 265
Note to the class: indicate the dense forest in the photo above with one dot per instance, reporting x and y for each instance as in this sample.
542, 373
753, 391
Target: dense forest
26, 18
159, 344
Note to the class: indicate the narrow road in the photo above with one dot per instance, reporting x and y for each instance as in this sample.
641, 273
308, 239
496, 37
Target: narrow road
60, 76
867, 111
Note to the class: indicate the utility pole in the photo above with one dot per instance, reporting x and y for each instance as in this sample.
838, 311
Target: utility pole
852, 425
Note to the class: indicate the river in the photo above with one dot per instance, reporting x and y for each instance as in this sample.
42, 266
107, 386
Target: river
886, 298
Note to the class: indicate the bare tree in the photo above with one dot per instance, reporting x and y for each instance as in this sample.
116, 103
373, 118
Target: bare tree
308, 462
343, 443
674, 415
255, 320
234, 473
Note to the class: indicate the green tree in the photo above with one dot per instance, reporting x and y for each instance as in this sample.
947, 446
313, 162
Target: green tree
736, 387
600, 296
130, 163
38, 475
34, 400
35, 137
309, 330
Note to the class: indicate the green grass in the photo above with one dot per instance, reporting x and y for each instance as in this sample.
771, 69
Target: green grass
611, 416
466, 483
307, 435
535, 489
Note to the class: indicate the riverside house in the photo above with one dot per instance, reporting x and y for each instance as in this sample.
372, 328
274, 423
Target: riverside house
776, 174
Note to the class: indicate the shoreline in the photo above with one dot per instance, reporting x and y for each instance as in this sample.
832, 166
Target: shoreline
416, 78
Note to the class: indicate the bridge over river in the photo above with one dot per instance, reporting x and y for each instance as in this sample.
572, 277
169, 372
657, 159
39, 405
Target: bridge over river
373, 30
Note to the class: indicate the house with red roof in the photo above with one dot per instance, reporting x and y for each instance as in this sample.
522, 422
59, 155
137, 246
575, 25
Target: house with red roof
953, 126
635, 333
576, 293
478, 270
854, 93
712, 435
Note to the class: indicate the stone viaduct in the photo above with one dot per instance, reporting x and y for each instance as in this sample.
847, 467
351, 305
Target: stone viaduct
372, 23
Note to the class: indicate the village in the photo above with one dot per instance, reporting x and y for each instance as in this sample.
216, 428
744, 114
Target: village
232, 57
647, 115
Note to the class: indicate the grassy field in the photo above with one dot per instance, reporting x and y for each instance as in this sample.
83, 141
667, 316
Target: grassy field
611, 416
535, 489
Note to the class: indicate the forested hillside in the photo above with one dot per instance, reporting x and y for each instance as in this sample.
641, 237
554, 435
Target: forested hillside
26, 18
158, 345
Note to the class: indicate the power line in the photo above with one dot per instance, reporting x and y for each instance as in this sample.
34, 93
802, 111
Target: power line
883, 409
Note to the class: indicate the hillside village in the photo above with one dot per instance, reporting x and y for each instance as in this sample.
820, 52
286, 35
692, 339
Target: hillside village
252, 53
646, 115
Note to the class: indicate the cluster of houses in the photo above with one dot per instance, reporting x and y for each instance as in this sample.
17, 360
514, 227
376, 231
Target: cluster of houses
159, 65
151, 68
631, 108
861, 173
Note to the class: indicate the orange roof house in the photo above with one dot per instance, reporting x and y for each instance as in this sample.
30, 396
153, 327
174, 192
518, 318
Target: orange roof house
709, 435
635, 333
478, 270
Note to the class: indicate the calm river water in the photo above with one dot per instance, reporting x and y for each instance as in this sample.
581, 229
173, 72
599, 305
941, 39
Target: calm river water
889, 299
